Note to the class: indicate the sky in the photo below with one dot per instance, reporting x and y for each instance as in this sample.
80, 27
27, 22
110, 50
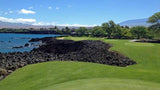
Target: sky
75, 12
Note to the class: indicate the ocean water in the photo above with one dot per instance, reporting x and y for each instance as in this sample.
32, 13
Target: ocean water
9, 40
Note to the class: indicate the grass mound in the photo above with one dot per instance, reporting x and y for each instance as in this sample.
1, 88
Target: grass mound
71, 76
105, 84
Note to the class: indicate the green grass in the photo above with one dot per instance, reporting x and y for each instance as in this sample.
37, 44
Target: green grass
84, 76
105, 84
71, 76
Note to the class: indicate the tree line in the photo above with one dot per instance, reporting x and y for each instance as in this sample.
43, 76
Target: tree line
108, 29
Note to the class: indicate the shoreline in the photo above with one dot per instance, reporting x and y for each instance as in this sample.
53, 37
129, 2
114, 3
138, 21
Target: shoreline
62, 50
11, 42
34, 32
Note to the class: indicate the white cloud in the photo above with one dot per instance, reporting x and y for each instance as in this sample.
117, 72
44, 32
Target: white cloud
18, 20
44, 23
78, 25
57, 8
33, 22
24, 11
6, 13
10, 11
30, 8
53, 23
49, 7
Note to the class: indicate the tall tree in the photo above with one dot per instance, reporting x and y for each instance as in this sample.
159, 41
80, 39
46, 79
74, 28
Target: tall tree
155, 29
55, 27
118, 32
82, 31
154, 18
98, 32
67, 30
109, 27
106, 28
139, 31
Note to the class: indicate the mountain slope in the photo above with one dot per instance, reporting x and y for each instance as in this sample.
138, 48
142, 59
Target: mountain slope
21, 25
136, 22
13, 25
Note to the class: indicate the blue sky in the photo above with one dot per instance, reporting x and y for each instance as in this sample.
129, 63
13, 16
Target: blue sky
75, 12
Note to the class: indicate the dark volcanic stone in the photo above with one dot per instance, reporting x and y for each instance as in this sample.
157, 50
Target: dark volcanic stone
61, 47
64, 50
87, 51
17, 47
44, 40
26, 45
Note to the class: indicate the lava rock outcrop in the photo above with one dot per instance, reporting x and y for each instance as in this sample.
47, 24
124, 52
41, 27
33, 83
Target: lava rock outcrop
63, 50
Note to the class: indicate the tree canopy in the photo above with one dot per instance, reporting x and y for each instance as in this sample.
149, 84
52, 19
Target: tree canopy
109, 28
154, 18
97, 32
82, 31
139, 31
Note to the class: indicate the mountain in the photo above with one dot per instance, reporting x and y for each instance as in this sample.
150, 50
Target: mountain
20, 25
13, 25
136, 22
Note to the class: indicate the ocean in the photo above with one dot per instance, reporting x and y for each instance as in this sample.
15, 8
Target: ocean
10, 40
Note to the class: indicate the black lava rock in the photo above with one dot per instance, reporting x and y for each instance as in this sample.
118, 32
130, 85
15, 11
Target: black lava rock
64, 50
26, 45
17, 47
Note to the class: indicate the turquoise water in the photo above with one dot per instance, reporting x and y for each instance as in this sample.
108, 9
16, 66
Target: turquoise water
8, 40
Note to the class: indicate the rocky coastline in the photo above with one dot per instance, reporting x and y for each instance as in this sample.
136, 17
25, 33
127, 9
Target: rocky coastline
62, 50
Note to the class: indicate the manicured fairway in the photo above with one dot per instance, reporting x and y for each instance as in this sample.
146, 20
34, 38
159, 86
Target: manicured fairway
84, 76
